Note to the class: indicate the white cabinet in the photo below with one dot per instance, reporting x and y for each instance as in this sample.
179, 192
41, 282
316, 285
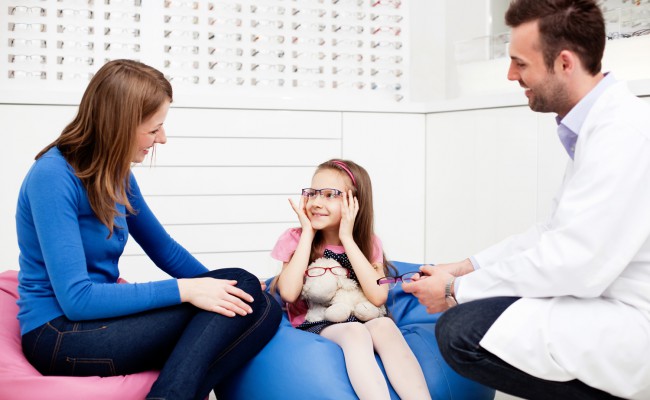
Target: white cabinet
219, 186
391, 148
487, 173
221, 183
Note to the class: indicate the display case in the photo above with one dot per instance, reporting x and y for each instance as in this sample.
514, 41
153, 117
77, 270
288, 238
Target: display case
327, 49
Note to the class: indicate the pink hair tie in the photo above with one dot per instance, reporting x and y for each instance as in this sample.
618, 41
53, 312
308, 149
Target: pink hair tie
345, 168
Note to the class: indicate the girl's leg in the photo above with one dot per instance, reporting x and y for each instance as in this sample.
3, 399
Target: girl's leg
364, 372
402, 368
195, 349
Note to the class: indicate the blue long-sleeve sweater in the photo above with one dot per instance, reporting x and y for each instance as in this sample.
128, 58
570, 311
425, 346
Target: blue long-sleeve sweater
69, 266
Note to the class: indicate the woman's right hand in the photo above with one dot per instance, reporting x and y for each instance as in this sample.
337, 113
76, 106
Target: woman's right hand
216, 295
301, 212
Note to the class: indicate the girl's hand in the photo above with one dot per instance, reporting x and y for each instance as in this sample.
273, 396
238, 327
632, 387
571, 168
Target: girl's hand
216, 295
349, 212
301, 212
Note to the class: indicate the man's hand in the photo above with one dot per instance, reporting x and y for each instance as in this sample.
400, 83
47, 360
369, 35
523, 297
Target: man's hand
429, 288
458, 268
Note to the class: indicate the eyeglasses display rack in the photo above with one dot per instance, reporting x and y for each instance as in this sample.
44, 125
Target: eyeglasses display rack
324, 49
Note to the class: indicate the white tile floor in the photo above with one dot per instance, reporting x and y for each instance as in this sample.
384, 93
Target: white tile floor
503, 396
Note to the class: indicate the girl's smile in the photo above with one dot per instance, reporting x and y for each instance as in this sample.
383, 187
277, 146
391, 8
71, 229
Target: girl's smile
325, 212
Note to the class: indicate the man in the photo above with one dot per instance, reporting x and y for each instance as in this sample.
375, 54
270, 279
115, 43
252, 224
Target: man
562, 311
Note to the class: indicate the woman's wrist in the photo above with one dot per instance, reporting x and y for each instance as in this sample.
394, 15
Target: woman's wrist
185, 289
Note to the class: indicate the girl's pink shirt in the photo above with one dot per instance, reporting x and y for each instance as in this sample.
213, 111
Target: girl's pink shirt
283, 251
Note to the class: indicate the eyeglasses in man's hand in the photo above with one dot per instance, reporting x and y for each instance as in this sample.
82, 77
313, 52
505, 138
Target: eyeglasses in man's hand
391, 281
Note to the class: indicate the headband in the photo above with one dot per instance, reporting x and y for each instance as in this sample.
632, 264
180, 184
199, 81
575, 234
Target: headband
345, 168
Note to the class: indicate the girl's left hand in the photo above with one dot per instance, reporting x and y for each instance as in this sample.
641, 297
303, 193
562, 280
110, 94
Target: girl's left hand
349, 211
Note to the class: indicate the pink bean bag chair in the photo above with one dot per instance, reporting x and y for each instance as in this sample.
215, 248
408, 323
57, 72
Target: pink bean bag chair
19, 380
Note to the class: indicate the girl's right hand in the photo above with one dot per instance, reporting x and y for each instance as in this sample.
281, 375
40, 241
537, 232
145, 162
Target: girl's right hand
301, 212
216, 295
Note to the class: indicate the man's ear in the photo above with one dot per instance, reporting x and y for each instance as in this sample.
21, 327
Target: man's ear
566, 61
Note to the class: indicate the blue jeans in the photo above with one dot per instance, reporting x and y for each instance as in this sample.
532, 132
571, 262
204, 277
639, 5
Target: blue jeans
193, 349
459, 331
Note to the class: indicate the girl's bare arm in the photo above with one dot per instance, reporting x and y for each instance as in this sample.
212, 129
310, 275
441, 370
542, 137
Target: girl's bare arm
292, 275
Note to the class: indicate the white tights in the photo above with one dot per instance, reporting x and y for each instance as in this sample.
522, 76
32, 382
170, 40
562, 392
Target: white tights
359, 343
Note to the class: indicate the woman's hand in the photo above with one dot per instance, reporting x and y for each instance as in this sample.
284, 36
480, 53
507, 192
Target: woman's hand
349, 211
216, 295
301, 212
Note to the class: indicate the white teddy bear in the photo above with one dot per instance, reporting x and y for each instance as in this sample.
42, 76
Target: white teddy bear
336, 297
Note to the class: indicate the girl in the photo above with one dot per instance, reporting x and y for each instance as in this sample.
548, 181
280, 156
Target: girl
76, 208
336, 219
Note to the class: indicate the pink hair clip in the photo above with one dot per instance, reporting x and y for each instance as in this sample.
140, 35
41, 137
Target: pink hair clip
345, 168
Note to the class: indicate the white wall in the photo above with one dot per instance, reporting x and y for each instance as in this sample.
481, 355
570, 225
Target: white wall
490, 173
391, 147
446, 184
25, 131
221, 183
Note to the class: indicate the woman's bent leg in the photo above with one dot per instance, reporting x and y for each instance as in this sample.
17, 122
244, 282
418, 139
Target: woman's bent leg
181, 340
212, 345
108, 347
364, 372
402, 368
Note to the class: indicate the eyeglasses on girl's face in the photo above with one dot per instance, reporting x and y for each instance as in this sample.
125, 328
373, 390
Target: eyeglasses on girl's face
391, 281
318, 271
327, 193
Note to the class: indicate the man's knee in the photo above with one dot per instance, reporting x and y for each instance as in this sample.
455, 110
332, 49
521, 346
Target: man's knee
460, 329
448, 333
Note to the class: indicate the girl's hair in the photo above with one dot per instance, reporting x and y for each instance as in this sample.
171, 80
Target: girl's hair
100, 142
363, 232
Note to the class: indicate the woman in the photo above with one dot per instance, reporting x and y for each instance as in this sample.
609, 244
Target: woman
77, 206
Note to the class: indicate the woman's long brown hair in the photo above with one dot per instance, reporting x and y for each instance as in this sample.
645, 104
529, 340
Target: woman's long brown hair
100, 142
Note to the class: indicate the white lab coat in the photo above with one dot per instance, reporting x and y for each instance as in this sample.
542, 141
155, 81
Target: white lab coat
584, 275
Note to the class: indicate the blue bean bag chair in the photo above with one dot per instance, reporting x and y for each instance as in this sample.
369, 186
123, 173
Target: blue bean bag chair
302, 365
